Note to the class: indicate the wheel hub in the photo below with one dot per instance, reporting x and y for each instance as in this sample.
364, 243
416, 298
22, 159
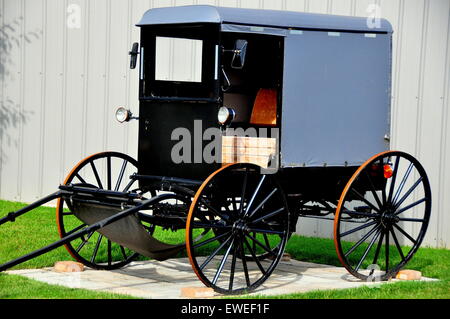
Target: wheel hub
388, 218
239, 225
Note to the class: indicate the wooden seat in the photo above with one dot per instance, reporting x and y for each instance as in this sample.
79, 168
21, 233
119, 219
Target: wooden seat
265, 108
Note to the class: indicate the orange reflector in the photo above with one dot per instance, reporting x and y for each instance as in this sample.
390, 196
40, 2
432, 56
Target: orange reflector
387, 171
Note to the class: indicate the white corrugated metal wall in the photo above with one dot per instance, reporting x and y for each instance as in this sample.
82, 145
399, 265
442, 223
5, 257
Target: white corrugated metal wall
64, 70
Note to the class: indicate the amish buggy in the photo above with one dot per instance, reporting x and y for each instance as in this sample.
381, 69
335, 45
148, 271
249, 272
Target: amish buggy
311, 95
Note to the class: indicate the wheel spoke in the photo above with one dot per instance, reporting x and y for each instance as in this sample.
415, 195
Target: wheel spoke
266, 248
84, 242
393, 178
214, 253
75, 230
397, 244
377, 252
266, 231
233, 267
368, 249
415, 220
361, 240
351, 231
250, 203
97, 246
405, 234
400, 202
244, 189
398, 212
97, 177
80, 178
262, 203
252, 252
387, 251
374, 192
403, 182
212, 209
124, 254
265, 217
108, 171
361, 197
222, 263
244, 264
210, 240
122, 171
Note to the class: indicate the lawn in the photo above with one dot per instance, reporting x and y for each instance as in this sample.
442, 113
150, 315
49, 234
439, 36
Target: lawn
38, 228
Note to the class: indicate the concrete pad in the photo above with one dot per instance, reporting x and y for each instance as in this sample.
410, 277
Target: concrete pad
164, 280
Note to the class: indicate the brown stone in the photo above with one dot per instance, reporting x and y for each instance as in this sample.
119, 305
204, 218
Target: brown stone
68, 266
197, 292
408, 275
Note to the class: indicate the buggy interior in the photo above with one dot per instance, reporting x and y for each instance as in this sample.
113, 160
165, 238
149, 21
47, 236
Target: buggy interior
253, 91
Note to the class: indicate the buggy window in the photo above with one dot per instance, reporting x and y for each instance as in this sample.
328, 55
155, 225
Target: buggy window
183, 63
180, 62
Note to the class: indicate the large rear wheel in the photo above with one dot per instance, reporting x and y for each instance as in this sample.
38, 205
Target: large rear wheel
244, 219
382, 215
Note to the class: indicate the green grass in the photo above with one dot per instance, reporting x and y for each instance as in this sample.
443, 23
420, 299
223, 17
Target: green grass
38, 228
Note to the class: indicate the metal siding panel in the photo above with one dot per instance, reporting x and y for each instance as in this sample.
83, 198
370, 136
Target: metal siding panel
318, 6
12, 107
31, 97
3, 57
296, 5
97, 78
272, 5
444, 185
137, 10
336, 112
342, 7
224, 3
53, 95
118, 52
250, 4
74, 94
408, 78
431, 105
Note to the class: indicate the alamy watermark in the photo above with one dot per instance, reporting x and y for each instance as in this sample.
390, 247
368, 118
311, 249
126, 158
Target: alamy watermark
373, 20
207, 145
73, 19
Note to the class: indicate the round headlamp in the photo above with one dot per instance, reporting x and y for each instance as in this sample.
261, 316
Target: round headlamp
123, 115
225, 115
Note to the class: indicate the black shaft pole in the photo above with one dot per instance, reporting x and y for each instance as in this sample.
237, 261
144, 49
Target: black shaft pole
89, 229
12, 216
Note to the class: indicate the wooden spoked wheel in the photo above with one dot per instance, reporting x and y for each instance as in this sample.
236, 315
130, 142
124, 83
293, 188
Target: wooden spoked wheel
244, 219
108, 171
382, 216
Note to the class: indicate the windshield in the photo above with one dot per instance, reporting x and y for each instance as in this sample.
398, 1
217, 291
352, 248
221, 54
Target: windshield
179, 63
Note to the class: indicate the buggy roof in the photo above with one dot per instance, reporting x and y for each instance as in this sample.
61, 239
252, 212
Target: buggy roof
258, 17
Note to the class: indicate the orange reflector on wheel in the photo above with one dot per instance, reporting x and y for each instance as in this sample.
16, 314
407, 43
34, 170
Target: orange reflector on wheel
387, 171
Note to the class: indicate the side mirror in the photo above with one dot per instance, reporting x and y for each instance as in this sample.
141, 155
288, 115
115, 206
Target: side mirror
240, 51
133, 55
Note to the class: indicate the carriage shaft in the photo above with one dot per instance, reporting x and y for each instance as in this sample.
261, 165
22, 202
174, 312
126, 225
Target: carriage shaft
82, 232
13, 215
